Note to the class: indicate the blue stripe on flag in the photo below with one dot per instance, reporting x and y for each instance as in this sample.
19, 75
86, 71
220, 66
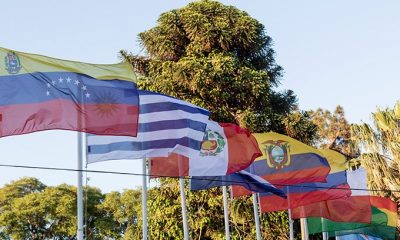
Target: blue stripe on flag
248, 181
145, 145
172, 124
171, 106
182, 130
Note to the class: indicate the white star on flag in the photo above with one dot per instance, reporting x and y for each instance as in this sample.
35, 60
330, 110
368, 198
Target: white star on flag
68, 79
53, 82
77, 82
60, 80
47, 93
87, 95
48, 85
84, 88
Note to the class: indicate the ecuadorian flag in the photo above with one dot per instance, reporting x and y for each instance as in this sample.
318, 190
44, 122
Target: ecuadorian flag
42, 93
287, 161
335, 187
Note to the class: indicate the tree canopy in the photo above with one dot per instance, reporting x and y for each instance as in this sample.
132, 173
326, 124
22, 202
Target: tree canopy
217, 57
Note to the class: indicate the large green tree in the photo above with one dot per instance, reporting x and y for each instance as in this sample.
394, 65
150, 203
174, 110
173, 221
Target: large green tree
217, 57
220, 58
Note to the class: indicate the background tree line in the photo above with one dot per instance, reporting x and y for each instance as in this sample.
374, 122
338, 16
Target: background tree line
220, 58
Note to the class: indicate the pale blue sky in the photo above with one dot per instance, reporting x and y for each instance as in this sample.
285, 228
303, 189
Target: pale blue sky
333, 52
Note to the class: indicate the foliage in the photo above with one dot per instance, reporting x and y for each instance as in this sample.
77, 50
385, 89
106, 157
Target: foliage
219, 58
381, 145
31, 210
299, 125
334, 131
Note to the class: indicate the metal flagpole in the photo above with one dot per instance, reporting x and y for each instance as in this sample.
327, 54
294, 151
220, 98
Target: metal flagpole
290, 215
226, 216
290, 224
256, 216
144, 200
304, 229
184, 212
325, 235
80, 190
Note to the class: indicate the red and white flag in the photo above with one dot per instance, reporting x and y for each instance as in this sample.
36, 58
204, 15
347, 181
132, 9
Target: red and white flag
226, 148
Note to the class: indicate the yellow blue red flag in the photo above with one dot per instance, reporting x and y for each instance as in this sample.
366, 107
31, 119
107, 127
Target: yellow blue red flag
42, 93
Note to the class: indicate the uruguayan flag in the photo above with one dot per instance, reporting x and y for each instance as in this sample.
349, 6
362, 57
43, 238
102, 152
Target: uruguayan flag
166, 125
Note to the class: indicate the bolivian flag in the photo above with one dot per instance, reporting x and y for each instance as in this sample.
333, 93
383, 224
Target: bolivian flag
383, 223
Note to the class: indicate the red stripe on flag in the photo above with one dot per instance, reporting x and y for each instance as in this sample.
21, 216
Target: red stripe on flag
242, 147
385, 203
299, 176
275, 203
101, 119
347, 209
173, 166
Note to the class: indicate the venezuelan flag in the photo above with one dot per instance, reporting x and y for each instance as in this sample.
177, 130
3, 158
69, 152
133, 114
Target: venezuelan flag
42, 93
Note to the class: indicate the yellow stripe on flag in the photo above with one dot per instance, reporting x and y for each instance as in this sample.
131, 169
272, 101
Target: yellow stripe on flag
30, 63
337, 161
296, 147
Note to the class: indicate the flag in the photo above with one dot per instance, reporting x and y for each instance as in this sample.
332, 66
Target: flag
307, 193
42, 93
242, 178
226, 148
383, 222
288, 161
166, 125
357, 237
346, 209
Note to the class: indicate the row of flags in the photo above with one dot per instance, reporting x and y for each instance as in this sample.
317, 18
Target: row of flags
41, 93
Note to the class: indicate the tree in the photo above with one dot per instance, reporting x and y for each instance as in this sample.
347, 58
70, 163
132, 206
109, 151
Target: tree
121, 215
381, 145
334, 131
31, 210
217, 57
381, 151
49, 213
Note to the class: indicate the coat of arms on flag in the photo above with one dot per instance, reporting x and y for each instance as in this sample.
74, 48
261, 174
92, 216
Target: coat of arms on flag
12, 62
212, 144
278, 153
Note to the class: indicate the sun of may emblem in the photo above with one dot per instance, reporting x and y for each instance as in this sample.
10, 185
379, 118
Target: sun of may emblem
105, 104
278, 153
212, 144
12, 63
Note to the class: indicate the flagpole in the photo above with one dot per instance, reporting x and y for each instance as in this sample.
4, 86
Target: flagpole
184, 212
256, 216
144, 200
325, 236
290, 224
79, 189
304, 229
226, 216
291, 234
